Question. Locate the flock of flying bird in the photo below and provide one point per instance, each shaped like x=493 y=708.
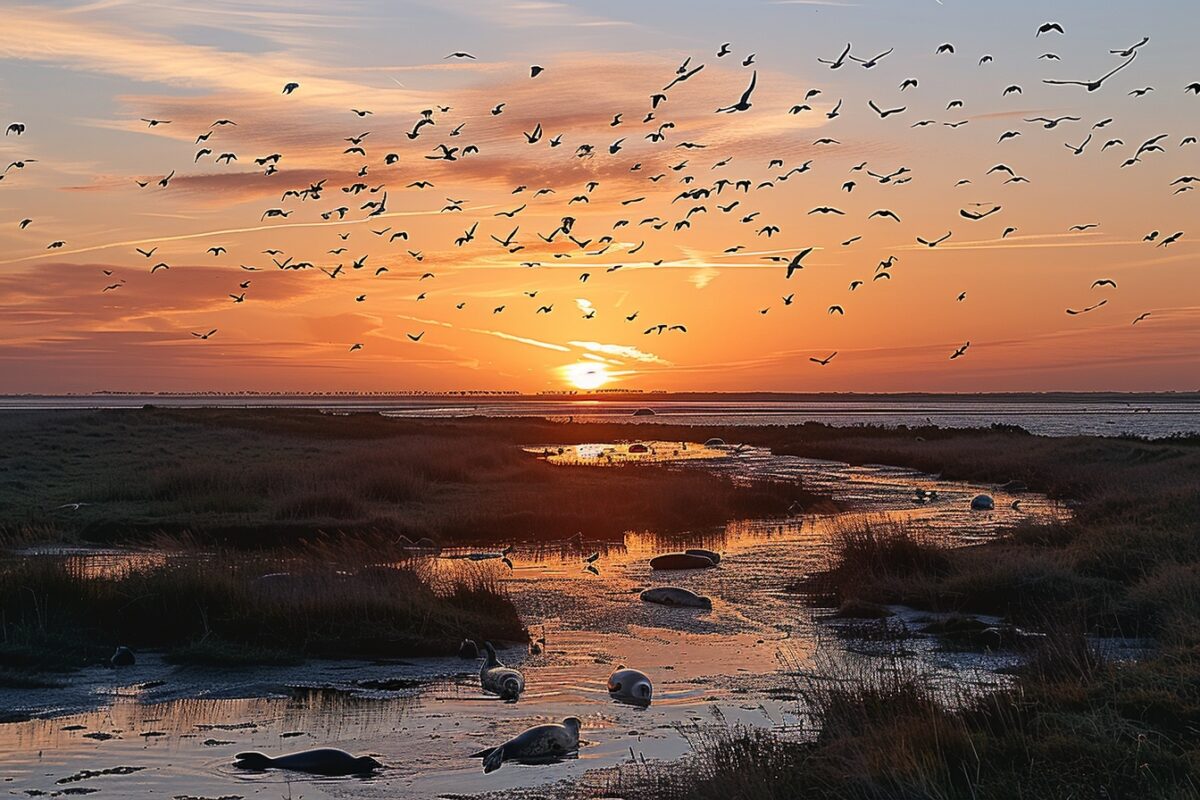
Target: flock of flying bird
x=705 y=188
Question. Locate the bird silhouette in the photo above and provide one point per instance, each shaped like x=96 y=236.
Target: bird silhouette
x=742 y=104
x=823 y=361
x=1091 y=86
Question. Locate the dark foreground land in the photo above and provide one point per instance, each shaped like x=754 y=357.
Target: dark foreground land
x=1072 y=724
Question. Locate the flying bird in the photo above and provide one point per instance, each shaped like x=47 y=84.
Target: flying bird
x=823 y=361
x=742 y=104
x=1092 y=86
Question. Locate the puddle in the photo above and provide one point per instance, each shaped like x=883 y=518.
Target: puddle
x=424 y=717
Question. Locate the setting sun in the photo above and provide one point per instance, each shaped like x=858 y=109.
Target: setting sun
x=586 y=375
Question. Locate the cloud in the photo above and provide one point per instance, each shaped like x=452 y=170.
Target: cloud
x=703 y=277
x=621 y=350
x=76 y=41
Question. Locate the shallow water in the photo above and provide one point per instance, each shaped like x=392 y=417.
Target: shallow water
x=743 y=662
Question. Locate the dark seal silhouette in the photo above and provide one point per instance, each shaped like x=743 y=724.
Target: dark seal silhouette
x=321 y=761
x=123 y=657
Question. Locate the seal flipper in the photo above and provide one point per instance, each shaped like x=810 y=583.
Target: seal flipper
x=493 y=760
x=251 y=760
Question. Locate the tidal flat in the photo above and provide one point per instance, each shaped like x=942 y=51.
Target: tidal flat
x=811 y=529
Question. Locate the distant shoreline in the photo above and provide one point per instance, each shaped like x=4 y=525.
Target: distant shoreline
x=626 y=397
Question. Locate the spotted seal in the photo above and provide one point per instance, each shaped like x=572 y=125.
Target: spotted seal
x=539 y=744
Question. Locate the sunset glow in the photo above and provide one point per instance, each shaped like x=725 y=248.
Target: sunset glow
x=586 y=375
x=403 y=270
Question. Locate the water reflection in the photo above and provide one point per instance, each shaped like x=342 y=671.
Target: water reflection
x=616 y=453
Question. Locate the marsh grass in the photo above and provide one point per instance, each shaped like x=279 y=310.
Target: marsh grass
x=262 y=478
x=1060 y=730
x=1072 y=723
x=331 y=599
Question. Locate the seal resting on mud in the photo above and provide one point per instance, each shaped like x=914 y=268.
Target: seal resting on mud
x=630 y=686
x=689 y=560
x=321 y=761
x=674 y=596
x=498 y=679
x=709 y=554
x=983 y=502
x=541 y=743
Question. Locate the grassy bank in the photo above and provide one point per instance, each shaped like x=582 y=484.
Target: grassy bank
x=1127 y=562
x=1071 y=726
x=250 y=478
x=336 y=600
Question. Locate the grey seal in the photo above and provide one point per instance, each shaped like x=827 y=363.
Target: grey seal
x=498 y=679
x=709 y=554
x=983 y=502
x=539 y=744
x=321 y=761
x=630 y=686
x=675 y=596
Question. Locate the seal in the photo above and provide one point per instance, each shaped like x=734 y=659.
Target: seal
x=498 y=679
x=983 y=502
x=630 y=686
x=709 y=554
x=123 y=657
x=321 y=761
x=674 y=596
x=539 y=744
x=690 y=560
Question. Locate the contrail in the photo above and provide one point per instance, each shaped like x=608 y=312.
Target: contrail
x=225 y=232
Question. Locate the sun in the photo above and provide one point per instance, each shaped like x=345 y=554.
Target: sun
x=586 y=375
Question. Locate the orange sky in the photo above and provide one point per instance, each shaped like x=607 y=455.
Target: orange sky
x=81 y=76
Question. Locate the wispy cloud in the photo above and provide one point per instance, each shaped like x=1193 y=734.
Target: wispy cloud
x=624 y=351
